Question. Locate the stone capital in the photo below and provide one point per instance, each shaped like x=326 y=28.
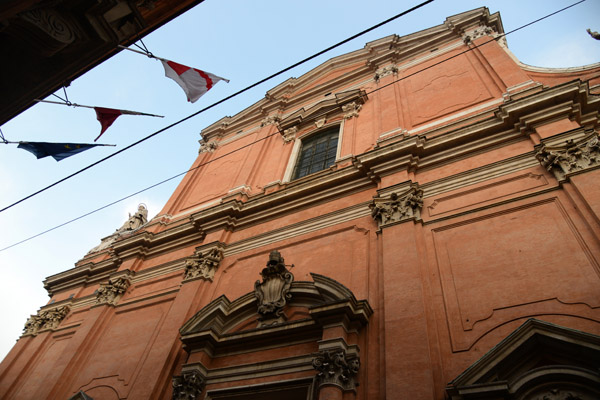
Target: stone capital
x=45 y=319
x=111 y=292
x=336 y=368
x=571 y=157
x=203 y=265
x=351 y=109
x=188 y=385
x=396 y=208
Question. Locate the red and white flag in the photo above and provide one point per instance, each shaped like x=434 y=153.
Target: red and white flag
x=194 y=82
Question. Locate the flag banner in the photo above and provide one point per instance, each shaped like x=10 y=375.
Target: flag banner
x=106 y=117
x=194 y=82
x=58 y=151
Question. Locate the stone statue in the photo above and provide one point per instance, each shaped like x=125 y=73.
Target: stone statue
x=139 y=218
x=595 y=35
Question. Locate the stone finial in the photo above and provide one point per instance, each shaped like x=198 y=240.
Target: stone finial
x=335 y=368
x=111 y=292
x=187 y=386
x=396 y=208
x=351 y=109
x=571 y=157
x=273 y=293
x=45 y=319
x=203 y=266
x=290 y=134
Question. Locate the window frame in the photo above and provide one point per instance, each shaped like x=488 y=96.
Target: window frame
x=296 y=150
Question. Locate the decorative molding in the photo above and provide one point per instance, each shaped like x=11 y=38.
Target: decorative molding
x=188 y=385
x=207 y=147
x=335 y=368
x=111 y=292
x=396 y=208
x=557 y=394
x=51 y=23
x=289 y=134
x=385 y=71
x=269 y=120
x=273 y=293
x=203 y=265
x=571 y=157
x=351 y=109
x=45 y=320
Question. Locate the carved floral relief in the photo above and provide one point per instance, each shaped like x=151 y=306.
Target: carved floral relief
x=45 y=319
x=397 y=208
x=203 y=266
x=187 y=386
x=336 y=368
x=573 y=156
x=111 y=292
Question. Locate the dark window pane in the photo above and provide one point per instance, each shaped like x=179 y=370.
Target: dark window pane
x=317 y=152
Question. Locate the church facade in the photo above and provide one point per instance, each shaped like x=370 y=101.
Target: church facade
x=418 y=219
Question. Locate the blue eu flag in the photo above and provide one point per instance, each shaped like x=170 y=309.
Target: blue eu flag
x=58 y=151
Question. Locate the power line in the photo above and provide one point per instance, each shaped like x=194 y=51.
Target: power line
x=276 y=133
x=221 y=101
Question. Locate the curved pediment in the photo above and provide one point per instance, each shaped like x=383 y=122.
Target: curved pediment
x=225 y=323
x=538 y=360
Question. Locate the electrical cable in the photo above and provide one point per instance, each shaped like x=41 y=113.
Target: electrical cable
x=221 y=101
x=276 y=133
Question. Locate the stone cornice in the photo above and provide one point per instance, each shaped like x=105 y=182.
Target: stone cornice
x=296 y=92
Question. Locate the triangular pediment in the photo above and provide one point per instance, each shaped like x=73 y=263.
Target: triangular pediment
x=523 y=363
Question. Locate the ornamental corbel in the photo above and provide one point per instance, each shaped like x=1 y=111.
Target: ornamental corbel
x=570 y=158
x=351 y=109
x=111 y=292
x=273 y=293
x=188 y=385
x=45 y=319
x=203 y=266
x=397 y=208
x=336 y=368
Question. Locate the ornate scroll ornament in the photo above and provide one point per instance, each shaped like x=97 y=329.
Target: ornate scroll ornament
x=336 y=368
x=112 y=291
x=207 y=147
x=397 y=208
x=290 y=134
x=385 y=71
x=51 y=23
x=46 y=319
x=203 y=266
x=351 y=109
x=187 y=386
x=572 y=157
x=273 y=292
x=270 y=120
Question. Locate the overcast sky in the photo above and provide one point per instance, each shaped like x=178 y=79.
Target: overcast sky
x=240 y=40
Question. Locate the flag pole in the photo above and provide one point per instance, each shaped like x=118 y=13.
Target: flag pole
x=147 y=54
x=94 y=144
x=84 y=106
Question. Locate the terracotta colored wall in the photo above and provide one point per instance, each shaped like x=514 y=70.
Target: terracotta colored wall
x=496 y=244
